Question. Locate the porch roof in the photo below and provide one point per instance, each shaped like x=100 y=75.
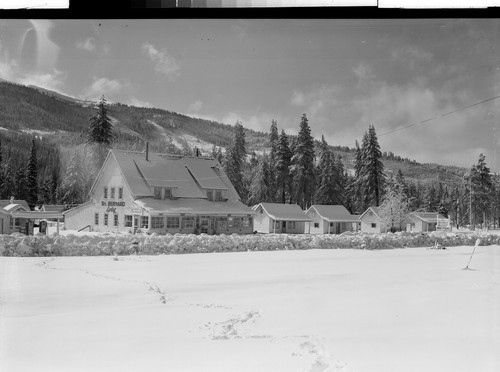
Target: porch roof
x=193 y=206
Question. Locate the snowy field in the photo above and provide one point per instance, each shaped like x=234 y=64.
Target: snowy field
x=411 y=309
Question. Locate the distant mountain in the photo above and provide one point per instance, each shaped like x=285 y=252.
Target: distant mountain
x=36 y=110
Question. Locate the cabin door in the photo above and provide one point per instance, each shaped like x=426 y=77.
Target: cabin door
x=283 y=226
x=204 y=225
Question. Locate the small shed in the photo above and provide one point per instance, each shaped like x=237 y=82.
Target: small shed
x=331 y=219
x=280 y=218
x=371 y=221
x=15 y=224
x=426 y=221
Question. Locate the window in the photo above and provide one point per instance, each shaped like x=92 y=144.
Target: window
x=128 y=220
x=222 y=223
x=188 y=222
x=316 y=225
x=172 y=222
x=157 y=191
x=210 y=195
x=115 y=222
x=105 y=192
x=11 y=222
x=105 y=219
x=374 y=225
x=246 y=221
x=291 y=225
x=218 y=195
x=112 y=193
x=17 y=222
x=144 y=222
x=233 y=222
x=168 y=194
x=331 y=224
x=157 y=222
x=120 y=193
x=96 y=219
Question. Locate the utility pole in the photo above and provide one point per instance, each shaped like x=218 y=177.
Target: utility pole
x=470 y=200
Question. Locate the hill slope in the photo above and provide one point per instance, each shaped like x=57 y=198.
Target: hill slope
x=36 y=110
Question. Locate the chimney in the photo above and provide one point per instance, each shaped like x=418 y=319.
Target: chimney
x=147 y=151
x=11 y=200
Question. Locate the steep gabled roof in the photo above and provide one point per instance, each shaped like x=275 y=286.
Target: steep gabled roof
x=188 y=177
x=428 y=217
x=334 y=213
x=284 y=212
x=374 y=209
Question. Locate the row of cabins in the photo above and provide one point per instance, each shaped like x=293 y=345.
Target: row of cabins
x=335 y=219
x=157 y=193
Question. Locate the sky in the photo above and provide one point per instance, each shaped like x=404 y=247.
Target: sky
x=343 y=74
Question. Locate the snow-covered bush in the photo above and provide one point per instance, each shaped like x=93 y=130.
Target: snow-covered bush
x=107 y=244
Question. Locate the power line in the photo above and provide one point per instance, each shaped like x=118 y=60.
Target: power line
x=439 y=116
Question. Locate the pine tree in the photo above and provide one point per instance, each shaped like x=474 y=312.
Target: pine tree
x=235 y=161
x=259 y=190
x=431 y=199
x=100 y=134
x=303 y=159
x=482 y=188
x=8 y=181
x=32 y=177
x=72 y=190
x=274 y=139
x=283 y=161
x=21 y=191
x=372 y=169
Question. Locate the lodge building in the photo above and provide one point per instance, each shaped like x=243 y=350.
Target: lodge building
x=161 y=194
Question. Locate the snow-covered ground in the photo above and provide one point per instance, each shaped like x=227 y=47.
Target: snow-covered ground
x=411 y=309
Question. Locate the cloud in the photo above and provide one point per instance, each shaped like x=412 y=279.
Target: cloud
x=113 y=90
x=51 y=80
x=164 y=64
x=138 y=103
x=195 y=106
x=88 y=44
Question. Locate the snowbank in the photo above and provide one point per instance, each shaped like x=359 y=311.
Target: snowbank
x=107 y=244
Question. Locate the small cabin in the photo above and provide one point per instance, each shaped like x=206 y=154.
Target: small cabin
x=331 y=219
x=278 y=218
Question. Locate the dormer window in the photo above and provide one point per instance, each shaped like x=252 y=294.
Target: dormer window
x=214 y=195
x=210 y=195
x=218 y=195
x=162 y=193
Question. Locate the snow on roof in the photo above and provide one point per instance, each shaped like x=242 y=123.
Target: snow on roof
x=194 y=206
x=428 y=216
x=334 y=213
x=189 y=177
x=284 y=212
x=52 y=208
x=14 y=207
x=6 y=202
x=374 y=209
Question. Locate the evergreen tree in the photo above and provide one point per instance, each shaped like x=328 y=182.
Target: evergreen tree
x=273 y=142
x=100 y=134
x=217 y=153
x=259 y=190
x=341 y=181
x=479 y=183
x=372 y=169
x=303 y=159
x=327 y=191
x=8 y=181
x=32 y=177
x=72 y=190
x=431 y=199
x=283 y=161
x=235 y=161
x=21 y=191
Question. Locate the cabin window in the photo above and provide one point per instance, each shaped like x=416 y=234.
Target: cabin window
x=105 y=219
x=115 y=222
x=222 y=222
x=316 y=225
x=144 y=222
x=374 y=225
x=246 y=221
x=210 y=195
x=157 y=222
x=96 y=219
x=331 y=224
x=112 y=193
x=105 y=192
x=172 y=222
x=291 y=225
x=128 y=220
x=157 y=191
x=11 y=222
x=188 y=222
x=120 y=193
x=218 y=195
x=233 y=222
